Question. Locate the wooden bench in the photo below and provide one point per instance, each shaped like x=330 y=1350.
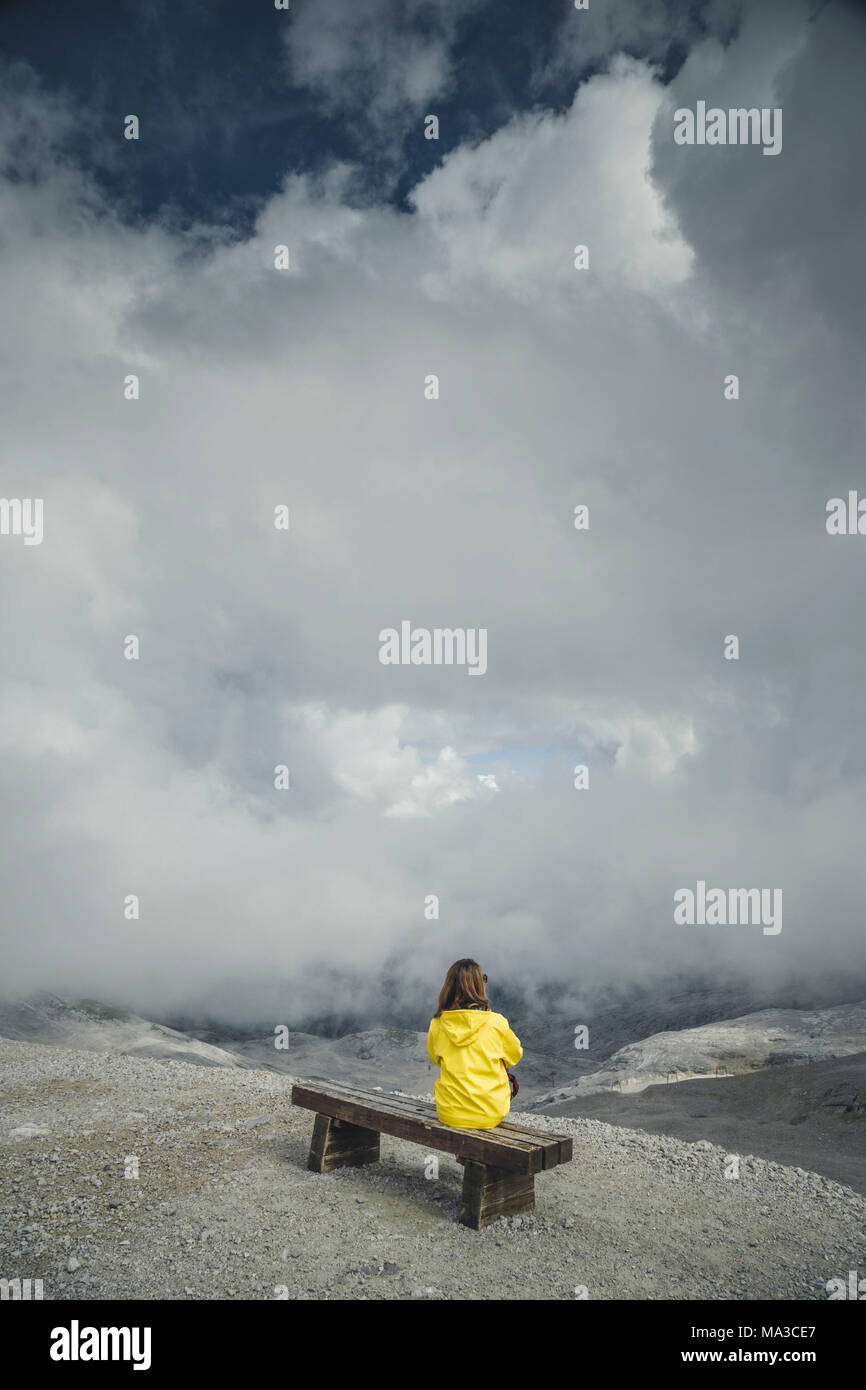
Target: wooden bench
x=499 y=1165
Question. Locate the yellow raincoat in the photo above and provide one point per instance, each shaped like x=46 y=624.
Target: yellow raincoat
x=473 y=1047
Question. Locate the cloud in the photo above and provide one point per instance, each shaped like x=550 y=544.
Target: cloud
x=511 y=209
x=260 y=647
x=801 y=251
x=594 y=36
x=364 y=754
x=379 y=61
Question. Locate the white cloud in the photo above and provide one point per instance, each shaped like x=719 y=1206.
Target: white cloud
x=382 y=61
x=260 y=648
x=645 y=747
x=512 y=209
x=365 y=755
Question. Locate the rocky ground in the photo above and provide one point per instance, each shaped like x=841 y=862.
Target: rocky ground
x=223 y=1206
x=810 y=1116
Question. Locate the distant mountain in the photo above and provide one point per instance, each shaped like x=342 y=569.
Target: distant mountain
x=91 y=1026
x=396 y=1058
x=393 y=1058
x=767 y=1038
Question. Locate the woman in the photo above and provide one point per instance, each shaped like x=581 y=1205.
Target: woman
x=473 y=1047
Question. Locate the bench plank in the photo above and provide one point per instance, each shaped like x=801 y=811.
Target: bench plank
x=363 y=1106
x=402 y=1122
x=558 y=1148
x=425 y=1113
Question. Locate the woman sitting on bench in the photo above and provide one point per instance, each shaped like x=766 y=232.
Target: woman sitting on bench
x=474 y=1047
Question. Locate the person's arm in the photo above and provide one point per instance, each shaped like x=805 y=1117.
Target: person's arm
x=511 y=1049
x=432 y=1033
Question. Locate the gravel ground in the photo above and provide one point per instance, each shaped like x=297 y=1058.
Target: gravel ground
x=223 y=1206
x=812 y=1115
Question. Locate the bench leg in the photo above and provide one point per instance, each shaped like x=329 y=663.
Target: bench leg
x=492 y=1192
x=337 y=1144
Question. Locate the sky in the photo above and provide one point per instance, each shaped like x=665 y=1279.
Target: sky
x=304 y=388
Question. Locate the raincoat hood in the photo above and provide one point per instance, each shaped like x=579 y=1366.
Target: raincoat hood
x=462 y=1026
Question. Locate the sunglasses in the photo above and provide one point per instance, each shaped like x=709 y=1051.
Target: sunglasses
x=485 y=979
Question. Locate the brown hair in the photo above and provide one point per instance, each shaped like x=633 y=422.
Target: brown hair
x=465 y=987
